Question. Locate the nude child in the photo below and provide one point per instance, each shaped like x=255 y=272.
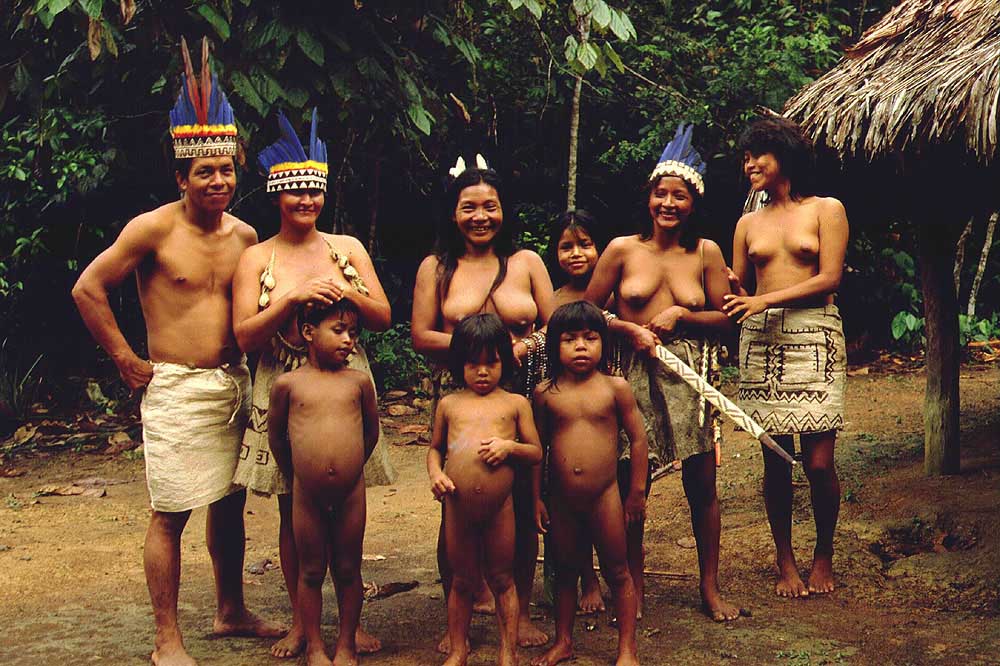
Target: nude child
x=580 y=412
x=478 y=432
x=323 y=426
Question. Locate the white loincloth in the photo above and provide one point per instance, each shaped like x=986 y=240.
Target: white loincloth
x=192 y=426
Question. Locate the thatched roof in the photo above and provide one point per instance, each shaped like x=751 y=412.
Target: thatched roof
x=927 y=73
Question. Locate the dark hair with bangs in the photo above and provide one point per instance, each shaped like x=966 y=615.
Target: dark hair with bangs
x=474 y=336
x=451 y=244
x=578 y=221
x=689 y=233
x=313 y=313
x=575 y=316
x=785 y=140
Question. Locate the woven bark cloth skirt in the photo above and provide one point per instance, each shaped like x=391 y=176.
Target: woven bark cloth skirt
x=793 y=368
x=679 y=423
x=256 y=469
x=192 y=424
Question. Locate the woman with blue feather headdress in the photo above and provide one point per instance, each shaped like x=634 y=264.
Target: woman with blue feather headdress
x=274 y=279
x=668 y=285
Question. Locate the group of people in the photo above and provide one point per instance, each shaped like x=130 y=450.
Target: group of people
x=550 y=412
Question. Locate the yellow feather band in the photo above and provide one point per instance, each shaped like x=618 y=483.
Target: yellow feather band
x=183 y=131
x=297 y=166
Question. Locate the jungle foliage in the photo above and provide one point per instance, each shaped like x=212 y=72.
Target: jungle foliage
x=402 y=87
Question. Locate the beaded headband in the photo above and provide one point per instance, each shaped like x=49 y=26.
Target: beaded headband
x=201 y=122
x=681 y=159
x=286 y=163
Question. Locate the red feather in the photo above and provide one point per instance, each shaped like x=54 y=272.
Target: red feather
x=206 y=83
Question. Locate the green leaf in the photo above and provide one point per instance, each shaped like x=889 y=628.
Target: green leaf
x=611 y=55
x=310 y=46
x=899 y=325
x=534 y=7
x=92 y=7
x=55 y=7
x=583 y=7
x=569 y=48
x=46 y=17
x=601 y=16
x=241 y=86
x=587 y=55
x=217 y=21
x=297 y=97
x=621 y=26
x=420 y=118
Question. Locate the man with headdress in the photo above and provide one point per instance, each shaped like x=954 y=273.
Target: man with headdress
x=197 y=386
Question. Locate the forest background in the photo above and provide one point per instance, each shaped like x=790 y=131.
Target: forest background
x=403 y=88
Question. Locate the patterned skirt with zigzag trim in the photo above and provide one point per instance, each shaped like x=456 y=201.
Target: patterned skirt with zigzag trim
x=793 y=368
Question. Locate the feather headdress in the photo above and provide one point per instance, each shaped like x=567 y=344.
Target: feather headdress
x=286 y=164
x=681 y=159
x=201 y=122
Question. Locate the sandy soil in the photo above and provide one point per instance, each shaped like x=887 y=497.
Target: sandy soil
x=917 y=558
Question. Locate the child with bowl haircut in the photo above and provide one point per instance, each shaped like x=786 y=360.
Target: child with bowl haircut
x=580 y=412
x=323 y=426
x=480 y=433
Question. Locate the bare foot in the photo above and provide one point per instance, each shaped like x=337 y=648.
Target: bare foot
x=345 y=658
x=444 y=645
x=366 y=643
x=172 y=654
x=821 y=576
x=247 y=624
x=291 y=645
x=591 y=600
x=716 y=607
x=528 y=635
x=790 y=584
x=627 y=660
x=485 y=604
x=458 y=657
x=317 y=657
x=559 y=652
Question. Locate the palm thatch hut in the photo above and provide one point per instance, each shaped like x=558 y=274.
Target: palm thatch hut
x=917 y=98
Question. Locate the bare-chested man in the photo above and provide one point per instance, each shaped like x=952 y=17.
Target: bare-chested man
x=196 y=402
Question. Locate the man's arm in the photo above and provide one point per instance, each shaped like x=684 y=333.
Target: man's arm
x=109 y=269
x=277 y=426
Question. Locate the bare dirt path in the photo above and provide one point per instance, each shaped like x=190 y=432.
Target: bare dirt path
x=917 y=559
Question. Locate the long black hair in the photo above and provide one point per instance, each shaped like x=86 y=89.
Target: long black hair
x=451 y=244
x=575 y=316
x=475 y=335
x=784 y=139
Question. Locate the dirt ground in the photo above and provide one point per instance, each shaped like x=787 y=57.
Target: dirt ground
x=917 y=559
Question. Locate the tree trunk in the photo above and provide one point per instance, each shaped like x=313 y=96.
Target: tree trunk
x=960 y=254
x=974 y=291
x=583 y=30
x=941 y=400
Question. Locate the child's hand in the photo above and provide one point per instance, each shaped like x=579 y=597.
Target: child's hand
x=441 y=485
x=495 y=450
x=635 y=507
x=541 y=517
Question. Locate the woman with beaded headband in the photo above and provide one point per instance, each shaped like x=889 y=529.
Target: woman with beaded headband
x=793 y=360
x=476 y=268
x=299 y=265
x=668 y=286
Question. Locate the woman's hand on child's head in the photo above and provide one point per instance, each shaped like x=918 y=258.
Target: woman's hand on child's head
x=668 y=321
x=541 y=517
x=635 y=507
x=743 y=306
x=441 y=485
x=323 y=290
x=495 y=450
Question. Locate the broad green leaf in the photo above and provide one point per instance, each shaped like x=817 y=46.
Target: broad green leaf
x=46 y=17
x=297 y=97
x=569 y=48
x=241 y=86
x=516 y=4
x=215 y=19
x=587 y=55
x=534 y=7
x=310 y=46
x=611 y=55
x=92 y=7
x=583 y=7
x=56 y=7
x=899 y=325
x=601 y=65
x=420 y=118
x=601 y=15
